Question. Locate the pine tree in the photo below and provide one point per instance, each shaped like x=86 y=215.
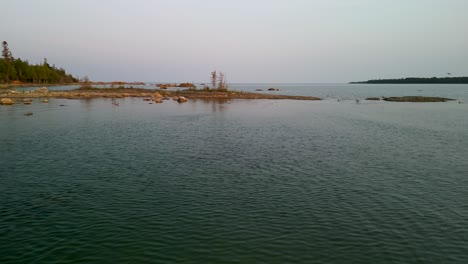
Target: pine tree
x=6 y=53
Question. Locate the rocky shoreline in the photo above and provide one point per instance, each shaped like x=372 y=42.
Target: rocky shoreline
x=9 y=97
x=149 y=94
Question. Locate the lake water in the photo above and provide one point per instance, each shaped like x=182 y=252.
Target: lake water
x=240 y=181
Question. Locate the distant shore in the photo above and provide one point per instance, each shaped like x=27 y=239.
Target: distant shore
x=414 y=80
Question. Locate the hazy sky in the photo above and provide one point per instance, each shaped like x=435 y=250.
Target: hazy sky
x=250 y=40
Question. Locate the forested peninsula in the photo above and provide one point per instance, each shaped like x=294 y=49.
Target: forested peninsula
x=415 y=80
x=17 y=71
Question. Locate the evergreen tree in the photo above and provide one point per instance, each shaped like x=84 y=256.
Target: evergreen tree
x=18 y=70
x=6 y=54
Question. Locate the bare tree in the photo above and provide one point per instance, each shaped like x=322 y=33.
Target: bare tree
x=214 y=79
x=222 y=81
x=85 y=82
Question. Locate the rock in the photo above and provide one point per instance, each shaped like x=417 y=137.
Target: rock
x=45 y=100
x=418 y=99
x=27 y=100
x=259 y=90
x=6 y=101
x=373 y=99
x=158 y=100
x=182 y=99
x=13 y=92
x=42 y=90
x=175 y=98
x=166 y=85
x=189 y=85
x=273 y=89
x=126 y=95
x=157 y=95
x=166 y=98
x=146 y=99
x=28 y=114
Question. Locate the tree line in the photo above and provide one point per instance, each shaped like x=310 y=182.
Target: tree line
x=414 y=80
x=14 y=69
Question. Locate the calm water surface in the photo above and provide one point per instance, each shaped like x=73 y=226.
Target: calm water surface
x=242 y=181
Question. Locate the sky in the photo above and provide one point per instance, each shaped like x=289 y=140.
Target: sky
x=252 y=41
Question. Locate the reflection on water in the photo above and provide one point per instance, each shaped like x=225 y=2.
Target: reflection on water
x=217 y=105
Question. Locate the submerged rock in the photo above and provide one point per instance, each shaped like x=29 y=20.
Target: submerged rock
x=45 y=101
x=6 y=101
x=28 y=114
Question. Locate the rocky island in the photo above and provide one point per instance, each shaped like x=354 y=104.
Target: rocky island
x=12 y=96
x=415 y=99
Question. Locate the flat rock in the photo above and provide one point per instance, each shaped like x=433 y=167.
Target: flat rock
x=418 y=99
x=42 y=90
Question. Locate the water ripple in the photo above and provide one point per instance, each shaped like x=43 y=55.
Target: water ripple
x=257 y=183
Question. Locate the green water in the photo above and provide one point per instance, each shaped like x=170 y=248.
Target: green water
x=234 y=182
